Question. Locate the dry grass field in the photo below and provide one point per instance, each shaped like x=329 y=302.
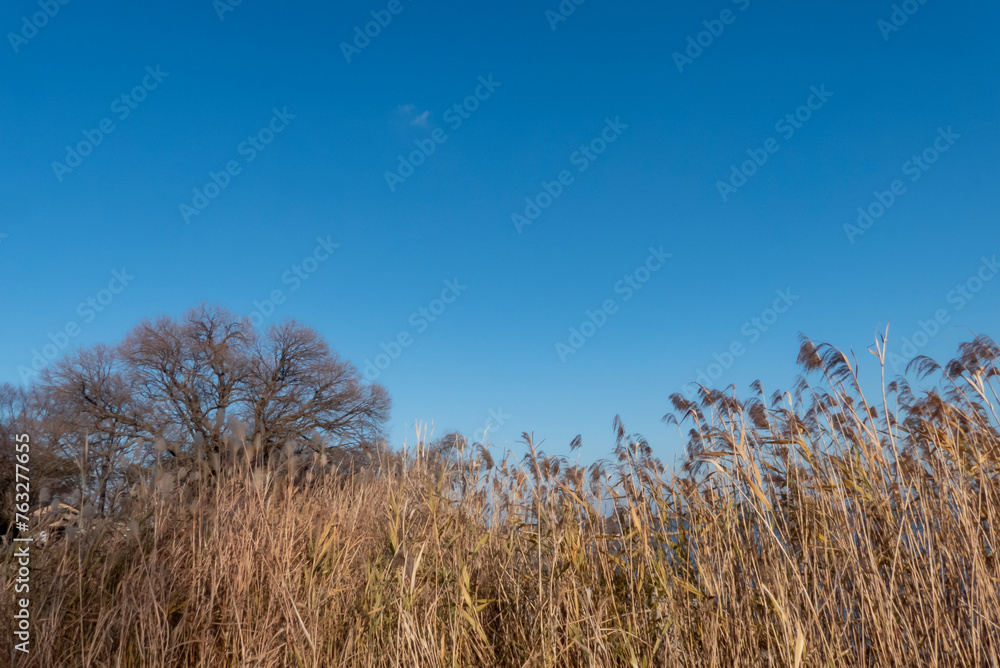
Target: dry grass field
x=818 y=527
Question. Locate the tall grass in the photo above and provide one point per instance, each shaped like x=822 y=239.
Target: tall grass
x=811 y=528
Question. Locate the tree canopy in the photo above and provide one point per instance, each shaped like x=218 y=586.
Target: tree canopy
x=182 y=386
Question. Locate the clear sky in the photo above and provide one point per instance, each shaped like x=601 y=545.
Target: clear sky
x=596 y=161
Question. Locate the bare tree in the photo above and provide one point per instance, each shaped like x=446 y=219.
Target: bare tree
x=95 y=417
x=23 y=412
x=296 y=388
x=192 y=384
x=190 y=371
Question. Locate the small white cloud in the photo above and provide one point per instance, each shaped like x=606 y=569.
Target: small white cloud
x=408 y=113
x=421 y=120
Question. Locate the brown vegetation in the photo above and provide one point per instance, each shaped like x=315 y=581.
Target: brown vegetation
x=811 y=528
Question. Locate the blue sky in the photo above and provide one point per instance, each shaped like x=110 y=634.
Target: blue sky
x=621 y=123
